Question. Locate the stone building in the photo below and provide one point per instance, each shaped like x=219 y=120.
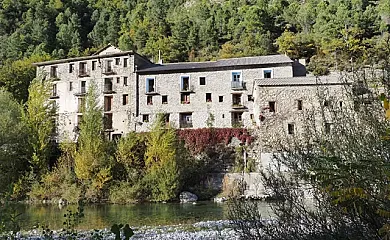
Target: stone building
x=132 y=90
x=283 y=107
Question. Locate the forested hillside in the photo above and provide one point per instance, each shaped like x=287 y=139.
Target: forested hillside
x=193 y=30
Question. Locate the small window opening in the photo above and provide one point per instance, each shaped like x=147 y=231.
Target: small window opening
x=145 y=118
x=94 y=65
x=185 y=98
x=164 y=99
x=327 y=128
x=271 y=106
x=118 y=80
x=150 y=85
x=124 y=81
x=202 y=81
x=117 y=61
x=267 y=73
x=341 y=103
x=250 y=98
x=125 y=99
x=149 y=100
x=71 y=68
x=300 y=105
x=220 y=98
x=125 y=60
x=290 y=128
x=208 y=97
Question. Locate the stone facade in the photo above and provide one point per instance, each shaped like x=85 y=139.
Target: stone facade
x=283 y=106
x=132 y=90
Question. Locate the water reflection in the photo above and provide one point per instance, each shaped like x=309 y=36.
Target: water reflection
x=101 y=216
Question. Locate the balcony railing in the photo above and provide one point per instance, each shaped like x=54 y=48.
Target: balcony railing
x=238 y=106
x=108 y=71
x=238 y=85
x=83 y=73
x=108 y=88
x=185 y=124
x=187 y=89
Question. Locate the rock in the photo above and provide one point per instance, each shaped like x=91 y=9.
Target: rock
x=62 y=202
x=219 y=199
x=187 y=197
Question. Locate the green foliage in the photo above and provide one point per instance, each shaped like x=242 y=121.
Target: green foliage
x=16 y=76
x=72 y=219
x=162 y=173
x=13 y=152
x=40 y=122
x=127 y=231
x=92 y=163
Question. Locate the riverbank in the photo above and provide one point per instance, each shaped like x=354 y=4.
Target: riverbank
x=220 y=229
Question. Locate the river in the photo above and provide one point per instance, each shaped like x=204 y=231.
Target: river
x=104 y=215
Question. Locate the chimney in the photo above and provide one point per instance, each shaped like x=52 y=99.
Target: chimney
x=160 y=61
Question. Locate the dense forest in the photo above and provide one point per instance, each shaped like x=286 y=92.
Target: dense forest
x=185 y=30
x=37 y=30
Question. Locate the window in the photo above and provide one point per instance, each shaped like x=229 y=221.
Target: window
x=71 y=68
x=326 y=103
x=82 y=87
x=271 y=106
x=290 y=128
x=237 y=81
x=125 y=99
x=185 y=120
x=236 y=76
x=109 y=66
x=79 y=119
x=145 y=118
x=149 y=100
x=185 y=83
x=124 y=81
x=94 y=65
x=341 y=104
x=118 y=80
x=54 y=90
x=117 y=61
x=82 y=69
x=107 y=103
x=236 y=100
x=202 y=81
x=185 y=98
x=236 y=119
x=164 y=99
x=150 y=88
x=108 y=85
x=125 y=62
x=223 y=115
x=250 y=98
x=300 y=106
x=107 y=121
x=116 y=137
x=267 y=73
x=208 y=97
x=53 y=72
x=220 y=98
x=70 y=86
x=327 y=128
x=80 y=105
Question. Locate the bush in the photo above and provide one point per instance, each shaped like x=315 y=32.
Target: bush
x=123 y=192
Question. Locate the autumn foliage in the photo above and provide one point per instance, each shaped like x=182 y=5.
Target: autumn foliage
x=198 y=140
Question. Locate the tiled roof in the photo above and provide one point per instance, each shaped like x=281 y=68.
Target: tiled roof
x=244 y=61
x=309 y=80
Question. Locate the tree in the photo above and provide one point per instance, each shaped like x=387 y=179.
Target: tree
x=14 y=154
x=92 y=163
x=39 y=118
x=16 y=76
x=162 y=174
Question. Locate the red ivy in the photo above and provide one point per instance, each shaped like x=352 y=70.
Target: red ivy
x=197 y=140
